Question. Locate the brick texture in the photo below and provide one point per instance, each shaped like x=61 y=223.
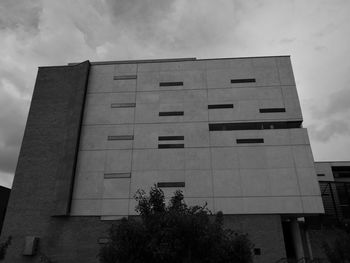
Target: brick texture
x=45 y=173
x=265 y=231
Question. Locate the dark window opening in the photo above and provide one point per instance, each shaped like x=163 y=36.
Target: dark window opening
x=125 y=77
x=171 y=184
x=120 y=137
x=116 y=175
x=123 y=105
x=171 y=113
x=254 y=125
x=165 y=84
x=321 y=175
x=271 y=110
x=171 y=146
x=341 y=171
x=220 y=106
x=242 y=80
x=258 y=140
x=171 y=138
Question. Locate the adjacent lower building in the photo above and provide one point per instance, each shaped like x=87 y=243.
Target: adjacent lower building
x=227 y=132
x=4 y=197
x=334 y=181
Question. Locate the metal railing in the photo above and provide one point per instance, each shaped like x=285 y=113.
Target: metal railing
x=336 y=200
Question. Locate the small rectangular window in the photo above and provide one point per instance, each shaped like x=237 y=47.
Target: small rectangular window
x=171 y=138
x=258 y=140
x=171 y=184
x=270 y=110
x=220 y=106
x=321 y=175
x=171 y=146
x=169 y=84
x=123 y=105
x=116 y=175
x=120 y=137
x=242 y=80
x=171 y=113
x=125 y=77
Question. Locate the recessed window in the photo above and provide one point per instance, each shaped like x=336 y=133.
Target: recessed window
x=220 y=106
x=123 y=105
x=169 y=84
x=125 y=77
x=116 y=175
x=256 y=140
x=341 y=171
x=242 y=80
x=271 y=110
x=171 y=184
x=171 y=146
x=171 y=113
x=171 y=138
x=321 y=175
x=254 y=125
x=120 y=137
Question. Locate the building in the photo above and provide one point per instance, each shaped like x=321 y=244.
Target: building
x=334 y=180
x=227 y=132
x=4 y=197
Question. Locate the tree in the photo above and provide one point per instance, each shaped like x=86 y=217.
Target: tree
x=173 y=233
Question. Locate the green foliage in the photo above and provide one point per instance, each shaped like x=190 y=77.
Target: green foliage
x=340 y=251
x=173 y=233
x=45 y=259
x=4 y=246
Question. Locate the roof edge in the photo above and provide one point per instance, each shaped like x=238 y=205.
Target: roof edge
x=138 y=61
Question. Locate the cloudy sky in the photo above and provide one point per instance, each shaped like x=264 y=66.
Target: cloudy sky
x=316 y=33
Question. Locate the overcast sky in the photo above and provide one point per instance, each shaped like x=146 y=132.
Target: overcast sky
x=315 y=33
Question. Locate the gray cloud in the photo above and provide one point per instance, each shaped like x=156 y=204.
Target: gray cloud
x=331 y=129
x=20 y=14
x=338 y=103
x=12 y=119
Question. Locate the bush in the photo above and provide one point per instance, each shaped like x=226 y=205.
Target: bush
x=173 y=233
x=4 y=246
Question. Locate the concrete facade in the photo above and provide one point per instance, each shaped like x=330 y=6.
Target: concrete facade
x=274 y=177
x=224 y=131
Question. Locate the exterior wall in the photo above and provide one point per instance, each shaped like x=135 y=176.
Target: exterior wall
x=326 y=169
x=275 y=177
x=44 y=175
x=265 y=231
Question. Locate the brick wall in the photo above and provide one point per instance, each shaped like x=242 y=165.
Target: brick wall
x=265 y=231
